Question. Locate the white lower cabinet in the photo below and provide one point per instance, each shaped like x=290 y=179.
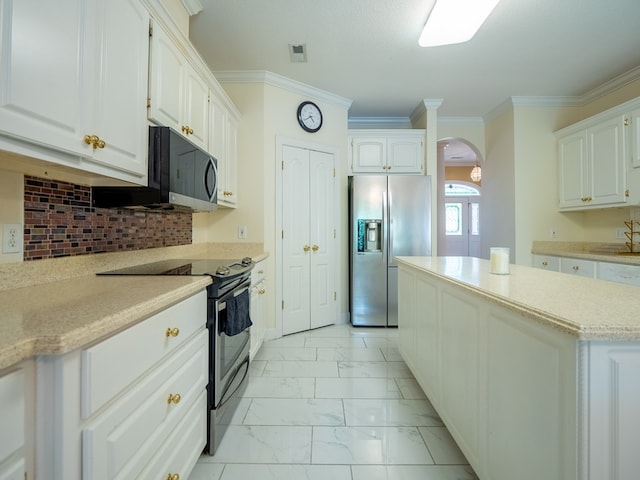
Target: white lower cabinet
x=128 y=406
x=618 y=272
x=16 y=416
x=258 y=307
x=580 y=267
x=610 y=271
x=547 y=262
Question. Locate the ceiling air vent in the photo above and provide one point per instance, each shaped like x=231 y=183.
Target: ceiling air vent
x=298 y=52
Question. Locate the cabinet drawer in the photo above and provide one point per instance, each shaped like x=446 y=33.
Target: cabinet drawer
x=182 y=449
x=12 y=419
x=617 y=272
x=574 y=266
x=258 y=273
x=546 y=262
x=123 y=439
x=107 y=368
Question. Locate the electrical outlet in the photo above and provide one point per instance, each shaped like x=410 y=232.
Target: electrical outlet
x=12 y=238
x=553 y=233
x=242 y=232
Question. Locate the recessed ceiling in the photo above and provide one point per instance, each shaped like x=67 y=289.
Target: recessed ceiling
x=367 y=51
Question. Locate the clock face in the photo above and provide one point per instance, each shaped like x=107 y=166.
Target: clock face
x=309 y=116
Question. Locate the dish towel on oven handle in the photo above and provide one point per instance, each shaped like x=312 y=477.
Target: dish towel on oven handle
x=238 y=318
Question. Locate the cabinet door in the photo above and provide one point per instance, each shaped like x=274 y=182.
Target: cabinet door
x=369 y=154
x=321 y=234
x=42 y=88
x=633 y=121
x=606 y=162
x=120 y=77
x=197 y=108
x=223 y=146
x=405 y=155
x=166 y=81
x=572 y=170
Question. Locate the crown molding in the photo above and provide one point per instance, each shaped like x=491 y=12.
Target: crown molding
x=275 y=80
x=379 y=122
x=192 y=6
x=614 y=84
x=462 y=120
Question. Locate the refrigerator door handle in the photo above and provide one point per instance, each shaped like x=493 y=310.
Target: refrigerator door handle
x=384 y=227
x=390 y=227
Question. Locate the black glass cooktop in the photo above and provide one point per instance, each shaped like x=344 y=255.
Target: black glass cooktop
x=222 y=268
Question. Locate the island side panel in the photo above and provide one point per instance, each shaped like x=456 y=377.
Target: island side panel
x=503 y=384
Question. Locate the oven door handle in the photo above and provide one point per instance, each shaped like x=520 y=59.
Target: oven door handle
x=225 y=398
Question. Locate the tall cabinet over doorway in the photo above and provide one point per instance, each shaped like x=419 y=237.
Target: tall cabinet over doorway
x=309 y=244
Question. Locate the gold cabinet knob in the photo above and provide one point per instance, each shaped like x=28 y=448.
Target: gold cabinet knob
x=95 y=141
x=575 y=268
x=172 y=332
x=545 y=264
x=262 y=291
x=174 y=398
x=185 y=129
x=173 y=476
x=260 y=272
x=306 y=248
x=315 y=248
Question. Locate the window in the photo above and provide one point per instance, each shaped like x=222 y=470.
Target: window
x=453 y=219
x=460 y=190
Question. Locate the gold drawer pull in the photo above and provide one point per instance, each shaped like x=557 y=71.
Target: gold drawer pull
x=187 y=130
x=174 y=398
x=172 y=332
x=94 y=140
x=173 y=476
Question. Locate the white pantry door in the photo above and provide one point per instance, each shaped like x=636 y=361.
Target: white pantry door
x=308 y=239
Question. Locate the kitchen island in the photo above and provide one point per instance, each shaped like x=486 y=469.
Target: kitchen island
x=536 y=373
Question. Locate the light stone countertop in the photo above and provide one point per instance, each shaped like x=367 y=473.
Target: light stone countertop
x=602 y=252
x=50 y=307
x=58 y=317
x=586 y=308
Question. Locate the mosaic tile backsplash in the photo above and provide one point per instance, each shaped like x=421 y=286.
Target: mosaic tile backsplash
x=60 y=222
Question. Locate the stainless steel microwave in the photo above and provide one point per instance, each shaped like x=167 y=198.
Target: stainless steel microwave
x=182 y=176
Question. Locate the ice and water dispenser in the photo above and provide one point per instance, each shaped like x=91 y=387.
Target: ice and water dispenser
x=369 y=235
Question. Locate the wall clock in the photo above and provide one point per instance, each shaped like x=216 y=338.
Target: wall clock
x=309 y=116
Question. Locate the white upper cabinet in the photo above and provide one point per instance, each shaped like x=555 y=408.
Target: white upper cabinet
x=75 y=83
x=633 y=122
x=387 y=151
x=591 y=165
x=179 y=97
x=223 y=146
x=597 y=158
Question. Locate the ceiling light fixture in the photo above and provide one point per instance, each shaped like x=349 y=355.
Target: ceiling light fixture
x=476 y=173
x=455 y=21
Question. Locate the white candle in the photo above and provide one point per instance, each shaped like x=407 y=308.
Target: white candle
x=499 y=260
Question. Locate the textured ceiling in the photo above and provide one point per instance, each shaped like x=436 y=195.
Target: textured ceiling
x=367 y=50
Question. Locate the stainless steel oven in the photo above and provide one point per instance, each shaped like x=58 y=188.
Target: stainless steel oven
x=229 y=360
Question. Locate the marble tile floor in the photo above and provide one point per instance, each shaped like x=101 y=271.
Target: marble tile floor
x=334 y=403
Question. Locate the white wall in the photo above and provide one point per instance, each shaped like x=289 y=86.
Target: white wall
x=498 y=185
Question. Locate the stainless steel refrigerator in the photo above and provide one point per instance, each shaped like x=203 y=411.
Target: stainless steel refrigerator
x=388 y=216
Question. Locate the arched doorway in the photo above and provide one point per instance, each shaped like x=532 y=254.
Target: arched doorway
x=459 y=198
